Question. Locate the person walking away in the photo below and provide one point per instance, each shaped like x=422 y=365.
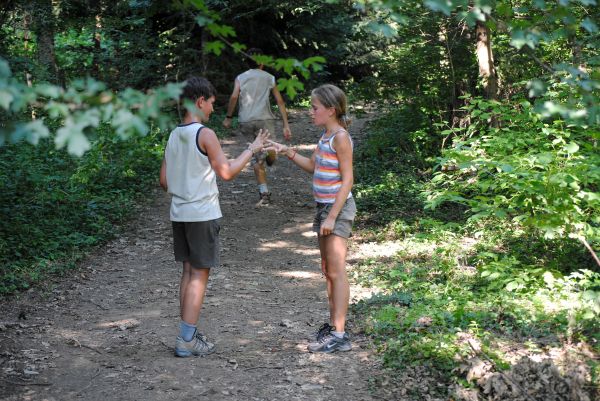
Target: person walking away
x=253 y=88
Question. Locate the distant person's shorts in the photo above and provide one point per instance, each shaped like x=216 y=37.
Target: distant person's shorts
x=197 y=242
x=250 y=129
x=343 y=223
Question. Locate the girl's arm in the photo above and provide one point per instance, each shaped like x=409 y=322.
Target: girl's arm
x=305 y=163
x=228 y=169
x=343 y=147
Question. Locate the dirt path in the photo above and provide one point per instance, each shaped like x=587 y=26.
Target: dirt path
x=107 y=332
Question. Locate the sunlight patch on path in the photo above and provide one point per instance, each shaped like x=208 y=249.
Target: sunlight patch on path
x=377 y=250
x=300 y=274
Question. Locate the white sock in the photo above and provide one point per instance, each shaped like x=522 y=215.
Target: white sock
x=338 y=334
x=262 y=188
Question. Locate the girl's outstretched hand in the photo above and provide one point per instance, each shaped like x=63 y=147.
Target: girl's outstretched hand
x=277 y=147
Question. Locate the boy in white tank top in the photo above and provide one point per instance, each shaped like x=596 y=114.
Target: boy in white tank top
x=193 y=158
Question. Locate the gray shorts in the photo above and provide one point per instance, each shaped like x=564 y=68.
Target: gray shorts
x=250 y=129
x=197 y=242
x=343 y=223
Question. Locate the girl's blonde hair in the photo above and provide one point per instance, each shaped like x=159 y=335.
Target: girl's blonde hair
x=332 y=96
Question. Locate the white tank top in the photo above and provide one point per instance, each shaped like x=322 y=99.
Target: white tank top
x=190 y=178
x=255 y=88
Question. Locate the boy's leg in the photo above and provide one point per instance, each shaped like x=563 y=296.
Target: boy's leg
x=335 y=259
x=193 y=296
x=185 y=279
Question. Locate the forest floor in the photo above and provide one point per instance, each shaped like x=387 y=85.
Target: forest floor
x=107 y=330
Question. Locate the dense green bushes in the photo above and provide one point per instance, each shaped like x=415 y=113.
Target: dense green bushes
x=498 y=258
x=53 y=207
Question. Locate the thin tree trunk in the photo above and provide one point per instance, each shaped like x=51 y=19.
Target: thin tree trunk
x=485 y=58
x=97 y=44
x=43 y=23
x=26 y=39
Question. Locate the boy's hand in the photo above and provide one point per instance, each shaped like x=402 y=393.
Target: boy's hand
x=227 y=122
x=287 y=133
x=259 y=141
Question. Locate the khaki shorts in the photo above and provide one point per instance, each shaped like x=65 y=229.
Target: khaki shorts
x=343 y=223
x=250 y=129
x=197 y=242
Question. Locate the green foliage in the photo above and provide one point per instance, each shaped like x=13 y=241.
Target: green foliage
x=80 y=110
x=386 y=166
x=430 y=301
x=492 y=278
x=541 y=174
x=53 y=207
x=558 y=27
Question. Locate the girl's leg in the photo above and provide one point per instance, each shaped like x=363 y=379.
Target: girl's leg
x=193 y=296
x=324 y=270
x=338 y=287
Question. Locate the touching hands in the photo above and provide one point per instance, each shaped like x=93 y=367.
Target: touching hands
x=260 y=141
x=227 y=122
x=279 y=148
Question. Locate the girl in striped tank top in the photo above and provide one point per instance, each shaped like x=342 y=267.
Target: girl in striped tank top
x=331 y=166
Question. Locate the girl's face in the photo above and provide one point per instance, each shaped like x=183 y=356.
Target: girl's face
x=320 y=114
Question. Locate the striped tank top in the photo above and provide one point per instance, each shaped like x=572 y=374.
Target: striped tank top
x=327 y=178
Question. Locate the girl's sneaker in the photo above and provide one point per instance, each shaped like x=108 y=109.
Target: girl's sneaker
x=198 y=346
x=325 y=329
x=330 y=343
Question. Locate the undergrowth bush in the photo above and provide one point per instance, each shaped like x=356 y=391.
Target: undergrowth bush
x=492 y=278
x=53 y=206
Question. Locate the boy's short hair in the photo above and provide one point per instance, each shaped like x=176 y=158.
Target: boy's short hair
x=197 y=87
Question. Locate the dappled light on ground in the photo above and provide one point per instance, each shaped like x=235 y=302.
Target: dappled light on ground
x=301 y=274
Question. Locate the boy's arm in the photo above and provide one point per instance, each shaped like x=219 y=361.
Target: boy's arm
x=287 y=134
x=163 y=175
x=227 y=169
x=232 y=102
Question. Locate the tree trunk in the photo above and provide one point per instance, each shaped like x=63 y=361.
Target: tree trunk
x=97 y=45
x=43 y=24
x=485 y=58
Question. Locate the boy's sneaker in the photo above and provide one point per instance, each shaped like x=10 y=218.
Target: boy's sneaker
x=325 y=329
x=330 y=343
x=265 y=199
x=198 y=346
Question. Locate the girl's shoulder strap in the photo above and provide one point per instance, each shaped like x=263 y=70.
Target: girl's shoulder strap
x=337 y=132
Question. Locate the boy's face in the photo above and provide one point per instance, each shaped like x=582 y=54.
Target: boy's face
x=206 y=107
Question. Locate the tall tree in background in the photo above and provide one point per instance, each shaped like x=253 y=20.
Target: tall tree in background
x=485 y=59
x=43 y=23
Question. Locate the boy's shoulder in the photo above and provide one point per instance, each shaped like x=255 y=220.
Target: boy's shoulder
x=185 y=129
x=253 y=72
